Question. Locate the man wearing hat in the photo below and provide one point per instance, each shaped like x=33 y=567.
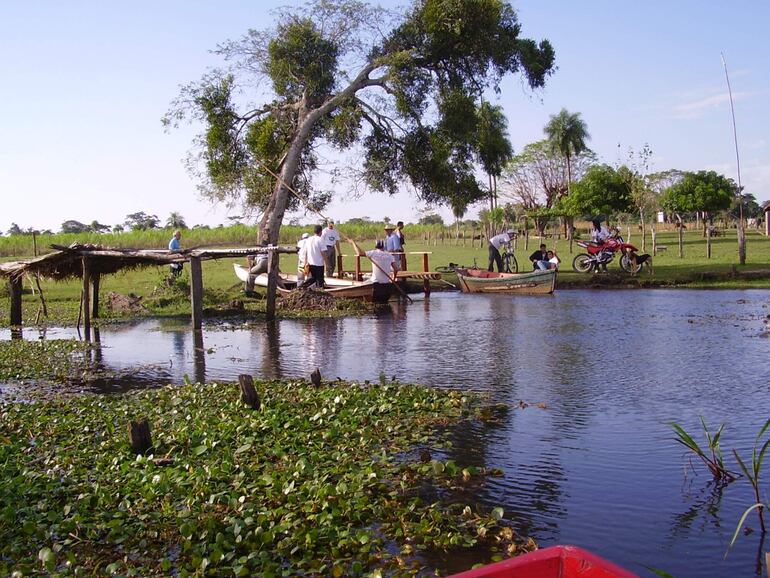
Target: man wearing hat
x=331 y=239
x=494 y=249
x=301 y=258
x=393 y=243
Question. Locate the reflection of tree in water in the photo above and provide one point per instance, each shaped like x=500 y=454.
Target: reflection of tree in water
x=271 y=351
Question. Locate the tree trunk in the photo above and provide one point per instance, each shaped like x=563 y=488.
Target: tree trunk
x=741 y=243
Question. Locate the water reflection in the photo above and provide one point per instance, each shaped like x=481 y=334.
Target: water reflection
x=597 y=466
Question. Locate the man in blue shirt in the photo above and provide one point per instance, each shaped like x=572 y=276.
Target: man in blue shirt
x=393 y=243
x=175 y=245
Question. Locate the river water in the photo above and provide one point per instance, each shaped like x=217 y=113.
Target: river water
x=598 y=466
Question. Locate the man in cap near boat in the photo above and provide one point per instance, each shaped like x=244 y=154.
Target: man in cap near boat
x=494 y=249
x=331 y=239
x=301 y=258
x=393 y=243
x=315 y=253
x=175 y=245
x=383 y=263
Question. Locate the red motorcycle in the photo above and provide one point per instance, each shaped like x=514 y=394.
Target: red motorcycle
x=600 y=254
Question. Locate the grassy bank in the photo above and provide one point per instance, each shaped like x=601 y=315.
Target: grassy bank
x=317 y=482
x=221 y=288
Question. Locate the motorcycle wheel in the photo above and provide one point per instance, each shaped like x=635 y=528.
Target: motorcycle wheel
x=627 y=265
x=582 y=263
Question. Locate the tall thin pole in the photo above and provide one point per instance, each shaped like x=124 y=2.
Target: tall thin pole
x=741 y=237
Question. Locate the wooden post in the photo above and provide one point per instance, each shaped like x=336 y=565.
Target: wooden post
x=425 y=268
x=196 y=292
x=340 y=273
x=249 y=395
x=272 y=284
x=86 y=298
x=708 y=242
x=15 y=286
x=34 y=243
x=315 y=377
x=199 y=355
x=139 y=433
x=359 y=275
x=95 y=295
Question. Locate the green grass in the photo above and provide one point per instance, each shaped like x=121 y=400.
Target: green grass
x=221 y=286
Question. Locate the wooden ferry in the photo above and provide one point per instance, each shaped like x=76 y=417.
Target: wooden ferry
x=340 y=288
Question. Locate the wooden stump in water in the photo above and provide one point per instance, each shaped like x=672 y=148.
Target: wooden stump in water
x=315 y=377
x=249 y=395
x=139 y=432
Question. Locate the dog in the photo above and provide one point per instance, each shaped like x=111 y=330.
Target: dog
x=640 y=261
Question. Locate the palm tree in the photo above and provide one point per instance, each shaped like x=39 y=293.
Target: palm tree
x=568 y=134
x=493 y=147
x=176 y=221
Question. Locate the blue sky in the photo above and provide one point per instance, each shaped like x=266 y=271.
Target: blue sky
x=85 y=83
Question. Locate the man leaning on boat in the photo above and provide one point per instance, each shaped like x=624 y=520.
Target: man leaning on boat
x=383 y=263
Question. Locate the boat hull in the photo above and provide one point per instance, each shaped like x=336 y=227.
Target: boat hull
x=340 y=288
x=553 y=562
x=534 y=283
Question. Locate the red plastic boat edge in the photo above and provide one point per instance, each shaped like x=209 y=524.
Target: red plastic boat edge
x=553 y=562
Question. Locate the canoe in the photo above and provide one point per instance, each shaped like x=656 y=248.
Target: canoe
x=340 y=288
x=553 y=562
x=532 y=283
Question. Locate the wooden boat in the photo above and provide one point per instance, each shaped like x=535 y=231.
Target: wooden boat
x=532 y=283
x=341 y=288
x=553 y=562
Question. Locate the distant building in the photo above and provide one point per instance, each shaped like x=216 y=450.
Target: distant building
x=766 y=214
x=661 y=217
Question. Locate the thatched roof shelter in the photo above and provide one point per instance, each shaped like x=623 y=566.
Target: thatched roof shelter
x=67 y=262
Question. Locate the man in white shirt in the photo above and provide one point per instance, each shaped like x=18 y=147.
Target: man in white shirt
x=383 y=263
x=315 y=251
x=494 y=250
x=301 y=258
x=331 y=239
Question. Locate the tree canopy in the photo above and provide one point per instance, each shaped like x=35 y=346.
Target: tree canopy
x=329 y=77
x=602 y=191
x=706 y=191
x=567 y=133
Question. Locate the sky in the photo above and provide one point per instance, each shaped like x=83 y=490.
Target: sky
x=84 y=84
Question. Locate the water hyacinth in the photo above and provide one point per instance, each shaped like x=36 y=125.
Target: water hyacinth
x=315 y=483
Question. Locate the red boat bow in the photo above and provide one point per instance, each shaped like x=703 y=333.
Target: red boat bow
x=553 y=562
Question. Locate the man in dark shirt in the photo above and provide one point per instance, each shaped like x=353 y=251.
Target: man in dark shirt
x=539 y=258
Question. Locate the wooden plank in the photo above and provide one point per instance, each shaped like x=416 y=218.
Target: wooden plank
x=196 y=293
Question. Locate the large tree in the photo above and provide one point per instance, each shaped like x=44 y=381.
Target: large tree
x=494 y=147
x=603 y=191
x=567 y=133
x=334 y=78
x=705 y=191
x=536 y=179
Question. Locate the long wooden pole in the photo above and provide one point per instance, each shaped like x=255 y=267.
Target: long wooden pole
x=309 y=207
x=741 y=231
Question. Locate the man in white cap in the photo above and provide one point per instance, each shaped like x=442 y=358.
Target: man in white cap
x=393 y=243
x=331 y=238
x=301 y=258
x=494 y=249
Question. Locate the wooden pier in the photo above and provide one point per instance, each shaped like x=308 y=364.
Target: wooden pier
x=90 y=262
